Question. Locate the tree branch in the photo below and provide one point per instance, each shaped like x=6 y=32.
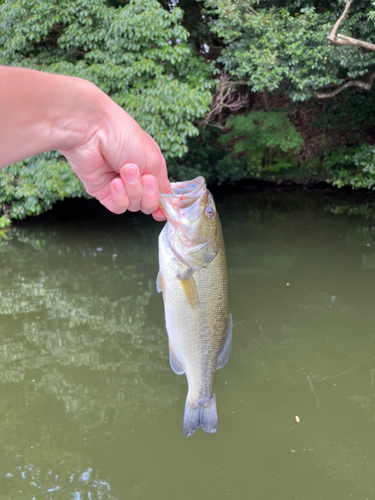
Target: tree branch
x=353 y=42
x=347 y=40
x=332 y=35
x=226 y=96
x=349 y=83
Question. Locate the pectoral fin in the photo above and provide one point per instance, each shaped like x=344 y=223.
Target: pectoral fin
x=225 y=350
x=190 y=289
x=175 y=363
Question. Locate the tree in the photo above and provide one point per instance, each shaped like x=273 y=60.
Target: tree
x=138 y=54
x=284 y=47
x=350 y=42
x=290 y=58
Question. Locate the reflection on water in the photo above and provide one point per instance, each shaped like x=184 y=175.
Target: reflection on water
x=91 y=409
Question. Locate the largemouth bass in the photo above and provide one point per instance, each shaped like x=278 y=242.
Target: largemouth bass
x=193 y=279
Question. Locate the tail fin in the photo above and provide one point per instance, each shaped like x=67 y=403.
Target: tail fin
x=200 y=415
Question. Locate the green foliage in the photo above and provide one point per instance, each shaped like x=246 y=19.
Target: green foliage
x=205 y=157
x=353 y=111
x=197 y=23
x=351 y=167
x=266 y=140
x=263 y=145
x=31 y=187
x=287 y=45
x=138 y=54
x=4 y=226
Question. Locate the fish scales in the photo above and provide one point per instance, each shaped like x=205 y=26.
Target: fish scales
x=196 y=332
x=193 y=279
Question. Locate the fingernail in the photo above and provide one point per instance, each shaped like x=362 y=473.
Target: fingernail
x=149 y=184
x=119 y=188
x=131 y=174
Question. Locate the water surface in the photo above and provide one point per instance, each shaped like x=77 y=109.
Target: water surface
x=90 y=408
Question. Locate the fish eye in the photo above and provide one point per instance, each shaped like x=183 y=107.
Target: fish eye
x=210 y=211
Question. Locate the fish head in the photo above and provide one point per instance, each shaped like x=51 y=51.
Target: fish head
x=193 y=221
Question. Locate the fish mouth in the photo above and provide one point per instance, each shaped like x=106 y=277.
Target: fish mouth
x=183 y=195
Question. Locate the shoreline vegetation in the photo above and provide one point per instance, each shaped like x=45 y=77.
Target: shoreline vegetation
x=334 y=202
x=247 y=92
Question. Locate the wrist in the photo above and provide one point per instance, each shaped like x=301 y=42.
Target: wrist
x=78 y=114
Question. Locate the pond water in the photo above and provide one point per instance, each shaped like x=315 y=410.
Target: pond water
x=90 y=408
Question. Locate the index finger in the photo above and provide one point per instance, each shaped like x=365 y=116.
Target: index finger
x=161 y=175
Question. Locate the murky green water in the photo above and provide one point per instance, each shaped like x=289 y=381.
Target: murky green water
x=90 y=408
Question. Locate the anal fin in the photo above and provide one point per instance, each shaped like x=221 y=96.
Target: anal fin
x=224 y=353
x=175 y=363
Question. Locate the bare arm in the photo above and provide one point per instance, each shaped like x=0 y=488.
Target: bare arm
x=116 y=160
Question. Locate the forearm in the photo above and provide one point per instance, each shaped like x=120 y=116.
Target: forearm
x=42 y=112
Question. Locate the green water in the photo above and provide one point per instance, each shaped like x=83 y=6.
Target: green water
x=90 y=408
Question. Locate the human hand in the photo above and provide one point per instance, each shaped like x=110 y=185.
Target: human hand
x=119 y=163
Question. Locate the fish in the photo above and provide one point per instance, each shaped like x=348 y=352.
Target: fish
x=194 y=282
